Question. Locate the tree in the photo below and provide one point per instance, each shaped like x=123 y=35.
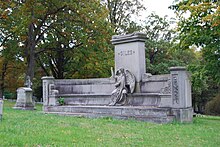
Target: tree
x=159 y=55
x=201 y=28
x=199 y=25
x=121 y=12
x=35 y=26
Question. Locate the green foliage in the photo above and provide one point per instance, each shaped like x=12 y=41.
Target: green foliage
x=34 y=128
x=54 y=33
x=9 y=95
x=212 y=107
x=61 y=101
x=201 y=28
x=120 y=13
x=160 y=54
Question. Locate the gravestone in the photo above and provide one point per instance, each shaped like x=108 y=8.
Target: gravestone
x=1 y=108
x=24 y=99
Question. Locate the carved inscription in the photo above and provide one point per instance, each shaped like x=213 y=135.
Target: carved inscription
x=126 y=53
x=45 y=90
x=175 y=89
x=167 y=88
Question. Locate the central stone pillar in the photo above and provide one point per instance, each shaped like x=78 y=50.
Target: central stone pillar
x=130 y=54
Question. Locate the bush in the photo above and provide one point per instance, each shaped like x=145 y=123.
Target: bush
x=9 y=95
x=213 y=106
x=38 y=93
x=61 y=101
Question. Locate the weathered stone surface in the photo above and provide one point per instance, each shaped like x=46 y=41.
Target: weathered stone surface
x=130 y=54
x=181 y=94
x=24 y=99
x=1 y=108
x=183 y=115
x=91 y=97
x=85 y=86
x=156 y=84
x=181 y=88
x=150 y=114
x=136 y=99
x=46 y=89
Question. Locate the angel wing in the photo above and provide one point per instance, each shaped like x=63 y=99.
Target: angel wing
x=130 y=80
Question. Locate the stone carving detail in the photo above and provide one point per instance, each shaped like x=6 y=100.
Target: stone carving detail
x=45 y=90
x=52 y=90
x=167 y=88
x=126 y=53
x=125 y=83
x=28 y=82
x=175 y=91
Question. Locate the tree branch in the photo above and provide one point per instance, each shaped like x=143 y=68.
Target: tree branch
x=53 y=49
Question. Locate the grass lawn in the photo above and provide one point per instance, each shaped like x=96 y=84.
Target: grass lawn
x=33 y=128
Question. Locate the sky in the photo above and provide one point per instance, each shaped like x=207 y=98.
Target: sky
x=160 y=7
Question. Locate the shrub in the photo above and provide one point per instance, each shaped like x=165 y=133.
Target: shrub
x=61 y=101
x=213 y=106
x=9 y=95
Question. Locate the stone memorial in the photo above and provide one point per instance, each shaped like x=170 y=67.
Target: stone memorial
x=1 y=108
x=129 y=93
x=24 y=97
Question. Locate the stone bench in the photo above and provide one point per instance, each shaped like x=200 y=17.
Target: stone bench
x=102 y=99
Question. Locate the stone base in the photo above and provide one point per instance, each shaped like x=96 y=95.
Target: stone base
x=183 y=115
x=21 y=106
x=24 y=99
x=24 y=108
x=142 y=113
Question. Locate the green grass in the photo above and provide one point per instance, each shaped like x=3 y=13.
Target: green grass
x=33 y=128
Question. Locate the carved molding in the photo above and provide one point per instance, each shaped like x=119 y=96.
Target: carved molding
x=175 y=89
x=167 y=88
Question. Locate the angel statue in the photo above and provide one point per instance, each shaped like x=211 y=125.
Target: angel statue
x=28 y=82
x=125 y=83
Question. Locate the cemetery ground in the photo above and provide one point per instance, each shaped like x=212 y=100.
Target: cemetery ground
x=34 y=128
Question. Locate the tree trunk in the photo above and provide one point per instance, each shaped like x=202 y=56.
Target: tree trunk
x=60 y=64
x=2 y=84
x=30 y=50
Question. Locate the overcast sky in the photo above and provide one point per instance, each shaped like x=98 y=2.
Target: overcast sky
x=160 y=7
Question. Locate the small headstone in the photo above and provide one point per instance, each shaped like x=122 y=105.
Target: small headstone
x=1 y=108
x=24 y=99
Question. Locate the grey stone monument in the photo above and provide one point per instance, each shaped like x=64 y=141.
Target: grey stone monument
x=181 y=94
x=49 y=96
x=1 y=108
x=24 y=97
x=128 y=93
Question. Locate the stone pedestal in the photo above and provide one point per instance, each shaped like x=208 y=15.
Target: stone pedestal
x=181 y=88
x=130 y=54
x=24 y=99
x=47 y=81
x=181 y=94
x=1 y=108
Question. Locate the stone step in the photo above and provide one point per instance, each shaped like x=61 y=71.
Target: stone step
x=162 y=114
x=136 y=99
x=159 y=120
